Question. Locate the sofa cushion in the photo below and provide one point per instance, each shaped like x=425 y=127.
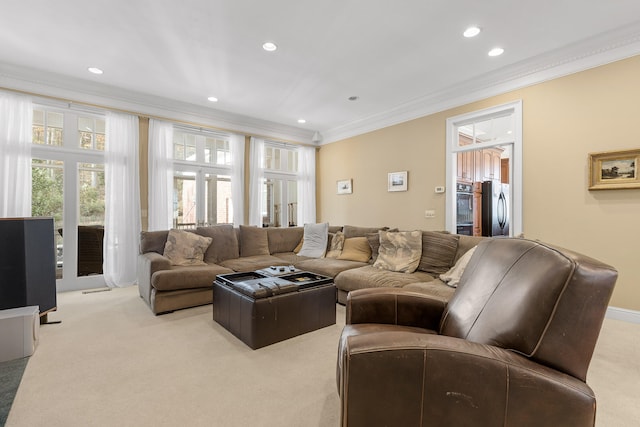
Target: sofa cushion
x=253 y=241
x=336 y=245
x=373 y=277
x=438 y=252
x=435 y=288
x=224 y=245
x=153 y=241
x=284 y=239
x=328 y=266
x=452 y=277
x=352 y=231
x=356 y=249
x=251 y=263
x=183 y=277
x=185 y=248
x=315 y=238
x=399 y=251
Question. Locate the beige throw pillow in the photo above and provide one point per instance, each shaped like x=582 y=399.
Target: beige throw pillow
x=399 y=251
x=186 y=248
x=356 y=249
x=452 y=277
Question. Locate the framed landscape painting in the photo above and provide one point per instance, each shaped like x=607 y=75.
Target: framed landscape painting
x=612 y=170
x=397 y=181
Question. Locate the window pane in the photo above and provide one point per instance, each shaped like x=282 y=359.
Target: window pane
x=91 y=219
x=292 y=207
x=218 y=206
x=292 y=163
x=54 y=126
x=47 y=199
x=91 y=133
x=184 y=200
x=272 y=195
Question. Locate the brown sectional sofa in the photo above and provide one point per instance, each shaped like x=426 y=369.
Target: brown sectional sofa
x=166 y=287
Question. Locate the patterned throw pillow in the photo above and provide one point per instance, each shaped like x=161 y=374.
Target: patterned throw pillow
x=336 y=245
x=399 y=251
x=186 y=248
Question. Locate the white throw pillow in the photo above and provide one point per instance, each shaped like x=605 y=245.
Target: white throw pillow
x=314 y=242
x=452 y=277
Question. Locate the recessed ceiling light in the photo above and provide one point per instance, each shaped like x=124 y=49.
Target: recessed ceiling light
x=302 y=121
x=95 y=70
x=471 y=32
x=496 y=51
x=212 y=99
x=269 y=46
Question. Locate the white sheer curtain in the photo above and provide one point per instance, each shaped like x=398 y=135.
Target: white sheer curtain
x=16 y=116
x=122 y=200
x=307 y=185
x=256 y=177
x=237 y=178
x=160 y=175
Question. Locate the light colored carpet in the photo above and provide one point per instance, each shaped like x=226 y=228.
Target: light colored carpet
x=113 y=363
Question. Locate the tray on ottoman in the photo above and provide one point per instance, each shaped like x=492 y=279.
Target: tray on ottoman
x=262 y=310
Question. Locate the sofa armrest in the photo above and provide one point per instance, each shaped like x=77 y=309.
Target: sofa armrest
x=149 y=263
x=450 y=381
x=395 y=306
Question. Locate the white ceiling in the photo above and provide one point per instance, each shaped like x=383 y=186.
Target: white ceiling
x=403 y=59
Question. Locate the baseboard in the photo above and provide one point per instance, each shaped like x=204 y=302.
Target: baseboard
x=616 y=313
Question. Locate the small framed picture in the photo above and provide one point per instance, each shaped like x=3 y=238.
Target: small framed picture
x=613 y=170
x=397 y=181
x=345 y=186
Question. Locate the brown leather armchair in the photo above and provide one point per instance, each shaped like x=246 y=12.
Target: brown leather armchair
x=511 y=347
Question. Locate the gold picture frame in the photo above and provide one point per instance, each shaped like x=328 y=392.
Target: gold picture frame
x=345 y=186
x=614 y=170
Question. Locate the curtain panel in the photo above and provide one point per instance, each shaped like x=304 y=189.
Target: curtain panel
x=160 y=175
x=122 y=200
x=256 y=177
x=307 y=185
x=237 y=178
x=16 y=117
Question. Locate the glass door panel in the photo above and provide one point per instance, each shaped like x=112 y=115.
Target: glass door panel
x=184 y=199
x=47 y=199
x=91 y=220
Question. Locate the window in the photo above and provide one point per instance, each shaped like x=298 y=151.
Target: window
x=202 y=178
x=68 y=185
x=280 y=186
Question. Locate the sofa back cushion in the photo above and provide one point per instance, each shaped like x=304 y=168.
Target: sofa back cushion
x=253 y=241
x=352 y=231
x=153 y=241
x=224 y=245
x=438 y=252
x=284 y=239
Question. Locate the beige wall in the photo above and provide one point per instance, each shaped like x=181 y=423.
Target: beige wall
x=564 y=120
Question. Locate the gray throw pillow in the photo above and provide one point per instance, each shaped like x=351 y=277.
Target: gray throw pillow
x=314 y=243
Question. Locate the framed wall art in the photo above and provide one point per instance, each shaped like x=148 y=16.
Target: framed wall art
x=397 y=181
x=345 y=186
x=614 y=170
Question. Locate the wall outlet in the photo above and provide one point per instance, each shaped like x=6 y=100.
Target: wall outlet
x=429 y=214
x=439 y=189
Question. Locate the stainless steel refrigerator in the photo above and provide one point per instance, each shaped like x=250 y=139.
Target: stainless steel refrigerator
x=496 y=209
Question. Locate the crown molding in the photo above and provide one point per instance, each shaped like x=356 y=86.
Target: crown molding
x=589 y=53
x=79 y=91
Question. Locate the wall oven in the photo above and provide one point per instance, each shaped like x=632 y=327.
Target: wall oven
x=464 y=209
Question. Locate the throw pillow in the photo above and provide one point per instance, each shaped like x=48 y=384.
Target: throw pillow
x=399 y=251
x=438 y=251
x=356 y=249
x=186 y=248
x=452 y=277
x=314 y=244
x=299 y=246
x=225 y=246
x=253 y=241
x=336 y=245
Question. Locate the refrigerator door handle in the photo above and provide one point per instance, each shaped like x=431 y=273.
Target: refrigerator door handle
x=502 y=210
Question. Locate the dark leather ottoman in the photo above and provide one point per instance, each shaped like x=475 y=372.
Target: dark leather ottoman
x=262 y=310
